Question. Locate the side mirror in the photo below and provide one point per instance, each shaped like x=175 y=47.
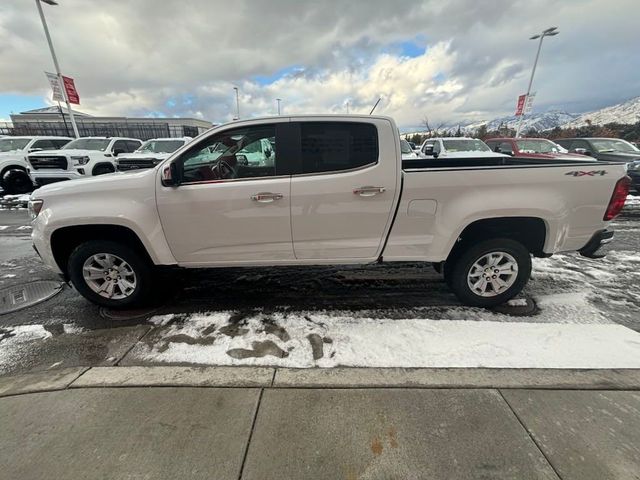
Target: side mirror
x=581 y=151
x=171 y=175
x=242 y=160
x=428 y=150
x=117 y=151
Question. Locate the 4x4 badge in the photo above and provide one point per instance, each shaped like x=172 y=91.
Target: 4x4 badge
x=590 y=173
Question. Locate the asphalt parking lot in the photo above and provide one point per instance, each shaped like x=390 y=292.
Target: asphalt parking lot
x=224 y=360
x=326 y=316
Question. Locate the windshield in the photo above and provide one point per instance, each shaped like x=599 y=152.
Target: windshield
x=160 y=146
x=99 y=144
x=537 y=146
x=613 y=145
x=405 y=147
x=467 y=145
x=8 y=144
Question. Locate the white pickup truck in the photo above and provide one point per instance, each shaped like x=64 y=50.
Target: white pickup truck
x=456 y=147
x=81 y=158
x=333 y=190
x=13 y=159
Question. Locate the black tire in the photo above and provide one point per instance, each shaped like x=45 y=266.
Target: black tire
x=458 y=268
x=138 y=263
x=103 y=170
x=16 y=181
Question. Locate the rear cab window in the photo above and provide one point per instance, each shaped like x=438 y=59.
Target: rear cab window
x=337 y=146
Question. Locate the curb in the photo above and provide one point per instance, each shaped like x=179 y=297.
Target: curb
x=266 y=377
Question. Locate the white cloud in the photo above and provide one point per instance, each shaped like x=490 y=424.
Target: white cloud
x=183 y=58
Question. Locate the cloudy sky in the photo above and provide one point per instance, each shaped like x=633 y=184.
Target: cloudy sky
x=452 y=60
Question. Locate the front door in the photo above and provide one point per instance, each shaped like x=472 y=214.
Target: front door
x=229 y=209
x=342 y=201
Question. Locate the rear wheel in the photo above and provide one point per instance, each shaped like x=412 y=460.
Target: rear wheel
x=489 y=273
x=16 y=181
x=110 y=274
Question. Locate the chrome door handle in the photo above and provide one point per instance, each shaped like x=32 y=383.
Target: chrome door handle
x=266 y=197
x=368 y=191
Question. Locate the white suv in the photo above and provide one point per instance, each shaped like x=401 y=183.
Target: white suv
x=151 y=153
x=83 y=157
x=13 y=159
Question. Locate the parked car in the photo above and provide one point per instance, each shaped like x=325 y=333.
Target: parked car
x=609 y=150
x=14 y=177
x=633 y=170
x=334 y=193
x=533 y=148
x=407 y=151
x=83 y=157
x=151 y=153
x=456 y=147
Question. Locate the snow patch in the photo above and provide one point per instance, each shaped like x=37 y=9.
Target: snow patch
x=320 y=340
x=15 y=340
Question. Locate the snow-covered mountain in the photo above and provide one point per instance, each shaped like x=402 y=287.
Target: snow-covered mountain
x=535 y=121
x=625 y=112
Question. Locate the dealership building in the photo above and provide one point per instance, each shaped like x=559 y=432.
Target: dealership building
x=55 y=121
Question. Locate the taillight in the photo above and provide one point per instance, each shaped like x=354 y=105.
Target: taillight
x=618 y=198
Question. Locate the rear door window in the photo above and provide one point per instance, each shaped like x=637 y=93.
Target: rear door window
x=337 y=146
x=505 y=147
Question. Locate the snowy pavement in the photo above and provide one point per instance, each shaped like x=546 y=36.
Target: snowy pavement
x=378 y=316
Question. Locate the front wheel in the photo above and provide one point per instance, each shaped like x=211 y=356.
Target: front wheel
x=490 y=273
x=16 y=181
x=110 y=274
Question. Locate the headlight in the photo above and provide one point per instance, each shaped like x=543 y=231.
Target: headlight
x=80 y=160
x=34 y=208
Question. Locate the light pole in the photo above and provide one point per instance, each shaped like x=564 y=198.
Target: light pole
x=55 y=63
x=549 y=32
x=278 y=100
x=237 y=104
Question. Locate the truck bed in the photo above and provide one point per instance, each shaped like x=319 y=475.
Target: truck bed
x=492 y=162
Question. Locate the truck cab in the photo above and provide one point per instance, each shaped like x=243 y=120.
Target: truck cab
x=14 y=167
x=81 y=158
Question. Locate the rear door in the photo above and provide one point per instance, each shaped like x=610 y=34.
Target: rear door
x=343 y=195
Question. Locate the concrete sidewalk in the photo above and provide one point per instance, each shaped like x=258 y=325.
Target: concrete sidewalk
x=264 y=423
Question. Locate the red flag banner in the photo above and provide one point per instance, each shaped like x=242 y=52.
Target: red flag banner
x=70 y=88
x=520 y=106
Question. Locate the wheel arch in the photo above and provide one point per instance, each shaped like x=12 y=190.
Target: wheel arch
x=111 y=166
x=11 y=167
x=65 y=239
x=529 y=231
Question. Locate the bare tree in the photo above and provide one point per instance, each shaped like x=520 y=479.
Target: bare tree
x=425 y=124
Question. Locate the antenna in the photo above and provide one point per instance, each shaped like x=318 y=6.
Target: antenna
x=374 y=107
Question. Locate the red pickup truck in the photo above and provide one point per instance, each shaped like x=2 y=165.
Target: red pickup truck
x=533 y=148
